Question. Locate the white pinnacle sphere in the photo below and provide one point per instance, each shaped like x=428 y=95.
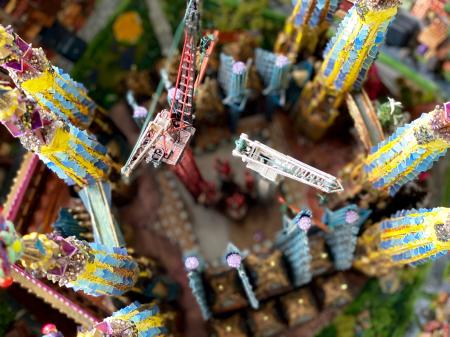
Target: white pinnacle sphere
x=305 y=223
x=191 y=263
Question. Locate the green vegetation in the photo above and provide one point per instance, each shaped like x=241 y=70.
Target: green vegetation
x=447 y=7
x=446 y=198
x=106 y=61
x=329 y=331
x=388 y=119
x=388 y=314
x=7 y=315
x=104 y=65
x=447 y=272
x=235 y=15
x=430 y=88
x=174 y=10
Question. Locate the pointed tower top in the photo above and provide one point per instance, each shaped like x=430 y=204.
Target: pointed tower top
x=231 y=248
x=233 y=256
x=191 y=263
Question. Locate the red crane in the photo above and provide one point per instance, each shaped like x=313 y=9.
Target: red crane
x=167 y=137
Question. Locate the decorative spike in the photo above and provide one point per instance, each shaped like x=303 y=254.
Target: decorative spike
x=233 y=259
x=293 y=242
x=274 y=70
x=344 y=225
x=49 y=86
x=304 y=26
x=233 y=77
x=193 y=266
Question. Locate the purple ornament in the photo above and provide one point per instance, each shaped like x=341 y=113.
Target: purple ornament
x=239 y=68
x=422 y=49
x=234 y=260
x=139 y=112
x=447 y=111
x=191 y=263
x=13 y=65
x=351 y=217
x=58 y=271
x=68 y=248
x=23 y=46
x=304 y=223
x=281 y=61
x=36 y=121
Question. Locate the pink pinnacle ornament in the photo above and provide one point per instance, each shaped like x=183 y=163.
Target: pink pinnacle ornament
x=447 y=110
x=234 y=260
x=351 y=217
x=239 y=68
x=305 y=223
x=139 y=112
x=191 y=263
x=281 y=61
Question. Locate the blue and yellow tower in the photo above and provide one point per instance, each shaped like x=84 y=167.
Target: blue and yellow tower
x=305 y=26
x=410 y=150
x=416 y=236
x=347 y=58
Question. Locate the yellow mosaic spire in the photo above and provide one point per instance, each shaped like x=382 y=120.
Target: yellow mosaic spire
x=347 y=58
x=303 y=29
x=74 y=155
x=416 y=236
x=48 y=85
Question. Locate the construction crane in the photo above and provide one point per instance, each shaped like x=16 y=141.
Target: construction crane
x=165 y=138
x=272 y=164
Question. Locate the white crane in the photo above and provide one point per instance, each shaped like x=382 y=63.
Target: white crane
x=271 y=164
